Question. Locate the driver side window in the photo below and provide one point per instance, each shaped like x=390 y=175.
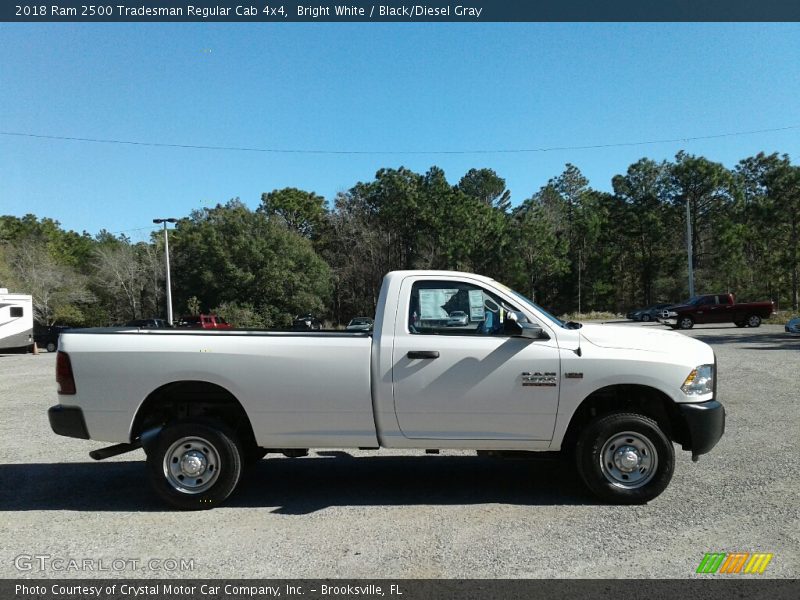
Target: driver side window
x=455 y=308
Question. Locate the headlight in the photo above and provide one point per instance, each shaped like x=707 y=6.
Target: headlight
x=700 y=381
x=672 y=313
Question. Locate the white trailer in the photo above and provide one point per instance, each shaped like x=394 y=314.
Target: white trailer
x=16 y=320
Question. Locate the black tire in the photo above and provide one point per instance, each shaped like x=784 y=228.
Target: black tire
x=646 y=318
x=213 y=448
x=51 y=346
x=685 y=322
x=604 y=470
x=741 y=323
x=754 y=321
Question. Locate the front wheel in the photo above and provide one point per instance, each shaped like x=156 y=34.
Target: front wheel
x=51 y=346
x=685 y=323
x=625 y=458
x=194 y=465
x=646 y=318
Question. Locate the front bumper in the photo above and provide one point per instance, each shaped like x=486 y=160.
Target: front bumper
x=68 y=421
x=705 y=424
x=670 y=321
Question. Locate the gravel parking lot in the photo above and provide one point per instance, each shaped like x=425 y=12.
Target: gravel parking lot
x=408 y=515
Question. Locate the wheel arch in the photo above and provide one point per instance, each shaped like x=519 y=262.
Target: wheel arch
x=639 y=398
x=192 y=399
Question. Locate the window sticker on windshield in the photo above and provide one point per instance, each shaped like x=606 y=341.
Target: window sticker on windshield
x=476 y=310
x=431 y=303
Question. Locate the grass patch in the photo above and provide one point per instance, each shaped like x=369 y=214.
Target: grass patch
x=781 y=317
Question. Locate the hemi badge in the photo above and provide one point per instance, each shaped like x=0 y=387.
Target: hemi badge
x=573 y=375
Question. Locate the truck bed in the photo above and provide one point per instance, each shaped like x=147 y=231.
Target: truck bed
x=319 y=382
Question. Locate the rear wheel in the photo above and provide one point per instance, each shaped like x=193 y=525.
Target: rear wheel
x=625 y=458
x=194 y=465
x=753 y=321
x=685 y=322
x=51 y=346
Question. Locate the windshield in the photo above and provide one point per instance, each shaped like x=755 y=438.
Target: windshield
x=539 y=309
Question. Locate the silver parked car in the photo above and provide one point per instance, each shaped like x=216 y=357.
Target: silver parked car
x=360 y=324
x=458 y=318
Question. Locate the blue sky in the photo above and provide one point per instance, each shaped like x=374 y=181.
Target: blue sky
x=367 y=87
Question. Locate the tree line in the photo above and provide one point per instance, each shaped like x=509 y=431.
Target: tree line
x=569 y=247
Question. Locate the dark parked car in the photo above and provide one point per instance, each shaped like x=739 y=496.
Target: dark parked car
x=651 y=313
x=306 y=322
x=47 y=337
x=360 y=324
x=148 y=323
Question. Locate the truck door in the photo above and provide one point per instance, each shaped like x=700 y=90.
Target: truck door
x=703 y=310
x=457 y=375
x=719 y=310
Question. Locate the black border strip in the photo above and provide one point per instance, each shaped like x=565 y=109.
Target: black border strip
x=708 y=587
x=470 y=11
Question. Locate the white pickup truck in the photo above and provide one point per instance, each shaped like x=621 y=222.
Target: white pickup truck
x=509 y=377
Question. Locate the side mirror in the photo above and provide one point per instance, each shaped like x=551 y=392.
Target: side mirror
x=517 y=325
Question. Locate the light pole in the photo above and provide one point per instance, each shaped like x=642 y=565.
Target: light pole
x=166 y=251
x=689 y=248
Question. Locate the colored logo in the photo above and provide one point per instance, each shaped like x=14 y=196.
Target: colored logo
x=734 y=562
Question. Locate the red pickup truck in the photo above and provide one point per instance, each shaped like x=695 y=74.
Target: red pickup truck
x=716 y=308
x=203 y=322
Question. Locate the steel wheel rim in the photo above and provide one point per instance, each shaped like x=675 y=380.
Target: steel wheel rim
x=628 y=460
x=191 y=465
x=686 y=323
x=754 y=321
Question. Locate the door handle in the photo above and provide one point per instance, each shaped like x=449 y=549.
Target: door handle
x=423 y=354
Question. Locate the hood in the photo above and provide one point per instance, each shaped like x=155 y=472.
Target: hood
x=638 y=338
x=677 y=307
